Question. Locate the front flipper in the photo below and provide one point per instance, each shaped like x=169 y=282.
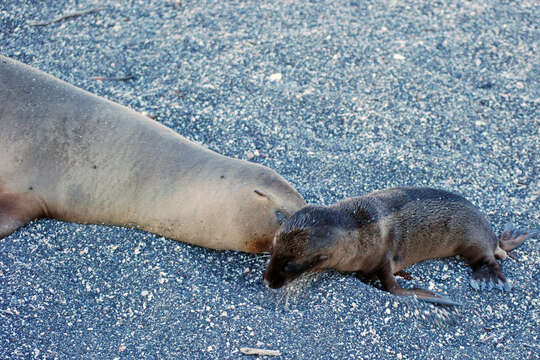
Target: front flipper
x=16 y=210
x=390 y=284
x=440 y=300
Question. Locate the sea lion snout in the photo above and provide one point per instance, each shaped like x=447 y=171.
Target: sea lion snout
x=273 y=283
x=271 y=277
x=282 y=271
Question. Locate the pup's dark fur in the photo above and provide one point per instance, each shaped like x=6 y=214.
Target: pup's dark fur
x=381 y=233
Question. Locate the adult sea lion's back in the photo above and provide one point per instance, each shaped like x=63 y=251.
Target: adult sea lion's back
x=74 y=156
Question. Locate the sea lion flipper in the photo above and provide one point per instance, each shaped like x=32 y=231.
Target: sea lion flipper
x=511 y=237
x=426 y=296
x=390 y=284
x=488 y=275
x=440 y=300
x=15 y=211
x=423 y=295
x=7 y=225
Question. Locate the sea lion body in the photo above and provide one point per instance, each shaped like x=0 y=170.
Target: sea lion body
x=381 y=233
x=73 y=156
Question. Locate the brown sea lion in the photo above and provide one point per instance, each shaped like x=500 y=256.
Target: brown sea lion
x=381 y=233
x=73 y=156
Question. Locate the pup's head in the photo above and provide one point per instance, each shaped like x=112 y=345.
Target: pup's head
x=305 y=242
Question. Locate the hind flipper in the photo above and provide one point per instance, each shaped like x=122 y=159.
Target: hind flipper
x=511 y=238
x=17 y=210
x=486 y=271
x=488 y=275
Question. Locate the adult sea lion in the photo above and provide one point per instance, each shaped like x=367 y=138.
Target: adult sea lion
x=381 y=233
x=73 y=156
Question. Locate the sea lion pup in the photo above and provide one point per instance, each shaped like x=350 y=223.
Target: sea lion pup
x=73 y=156
x=381 y=233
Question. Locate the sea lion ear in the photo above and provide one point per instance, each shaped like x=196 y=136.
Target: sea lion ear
x=322 y=258
x=280 y=216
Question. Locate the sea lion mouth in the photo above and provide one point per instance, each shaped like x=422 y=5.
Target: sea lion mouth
x=273 y=284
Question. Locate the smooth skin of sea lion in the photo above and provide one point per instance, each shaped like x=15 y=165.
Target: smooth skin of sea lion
x=379 y=234
x=73 y=156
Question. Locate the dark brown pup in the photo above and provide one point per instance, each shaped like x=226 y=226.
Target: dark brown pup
x=379 y=234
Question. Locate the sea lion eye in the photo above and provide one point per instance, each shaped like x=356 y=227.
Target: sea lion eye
x=291 y=267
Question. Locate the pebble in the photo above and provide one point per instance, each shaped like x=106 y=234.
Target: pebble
x=341 y=98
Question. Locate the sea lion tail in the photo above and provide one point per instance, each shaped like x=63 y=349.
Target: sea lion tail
x=510 y=239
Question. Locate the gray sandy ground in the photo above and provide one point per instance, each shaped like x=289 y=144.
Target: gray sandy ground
x=341 y=98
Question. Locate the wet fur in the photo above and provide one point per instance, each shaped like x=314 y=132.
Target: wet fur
x=379 y=234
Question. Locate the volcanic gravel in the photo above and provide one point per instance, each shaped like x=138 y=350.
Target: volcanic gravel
x=341 y=98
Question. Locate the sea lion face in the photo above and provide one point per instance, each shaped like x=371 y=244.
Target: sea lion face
x=286 y=265
x=303 y=243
